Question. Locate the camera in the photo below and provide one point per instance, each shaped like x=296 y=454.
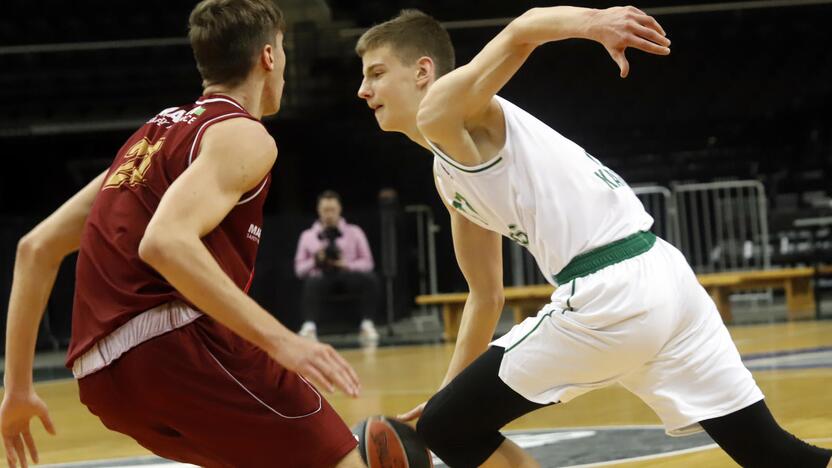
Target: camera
x=331 y=252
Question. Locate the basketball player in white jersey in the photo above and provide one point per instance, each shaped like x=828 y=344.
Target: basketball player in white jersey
x=628 y=308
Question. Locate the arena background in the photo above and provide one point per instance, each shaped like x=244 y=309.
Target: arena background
x=744 y=95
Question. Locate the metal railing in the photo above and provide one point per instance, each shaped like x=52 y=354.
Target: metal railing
x=426 y=230
x=723 y=225
x=658 y=201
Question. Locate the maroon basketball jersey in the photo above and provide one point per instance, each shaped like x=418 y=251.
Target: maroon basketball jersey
x=113 y=284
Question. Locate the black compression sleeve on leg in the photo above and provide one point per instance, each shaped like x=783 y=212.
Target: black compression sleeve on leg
x=753 y=439
x=461 y=423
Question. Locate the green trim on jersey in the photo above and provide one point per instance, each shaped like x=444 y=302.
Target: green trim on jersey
x=530 y=331
x=604 y=256
x=569 y=299
x=463 y=168
x=594 y=260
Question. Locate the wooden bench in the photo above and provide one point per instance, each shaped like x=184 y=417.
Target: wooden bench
x=525 y=301
x=797 y=282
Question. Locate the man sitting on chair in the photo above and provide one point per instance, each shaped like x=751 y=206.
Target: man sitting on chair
x=333 y=256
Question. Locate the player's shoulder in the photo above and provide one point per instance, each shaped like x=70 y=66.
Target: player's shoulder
x=243 y=133
x=241 y=129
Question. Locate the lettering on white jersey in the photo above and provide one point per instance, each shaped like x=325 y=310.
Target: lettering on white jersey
x=517 y=235
x=461 y=204
x=607 y=175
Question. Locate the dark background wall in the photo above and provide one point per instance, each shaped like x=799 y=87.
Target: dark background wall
x=743 y=95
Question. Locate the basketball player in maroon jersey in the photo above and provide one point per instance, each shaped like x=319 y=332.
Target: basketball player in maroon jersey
x=166 y=345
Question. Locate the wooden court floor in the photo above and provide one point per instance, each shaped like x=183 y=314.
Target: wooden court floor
x=396 y=379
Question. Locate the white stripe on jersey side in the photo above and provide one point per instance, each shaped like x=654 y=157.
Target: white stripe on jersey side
x=254 y=195
x=320 y=402
x=208 y=101
x=198 y=136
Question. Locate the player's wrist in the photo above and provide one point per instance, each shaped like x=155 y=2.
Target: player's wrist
x=586 y=24
x=15 y=387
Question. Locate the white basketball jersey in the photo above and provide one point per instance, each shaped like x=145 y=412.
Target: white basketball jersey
x=544 y=192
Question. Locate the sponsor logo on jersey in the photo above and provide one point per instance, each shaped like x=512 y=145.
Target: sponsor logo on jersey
x=174 y=115
x=254 y=233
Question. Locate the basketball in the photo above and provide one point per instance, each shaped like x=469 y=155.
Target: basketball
x=388 y=443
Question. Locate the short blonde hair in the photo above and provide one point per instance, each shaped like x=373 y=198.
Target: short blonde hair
x=412 y=34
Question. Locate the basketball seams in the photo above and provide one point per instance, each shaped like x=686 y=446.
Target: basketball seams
x=399 y=440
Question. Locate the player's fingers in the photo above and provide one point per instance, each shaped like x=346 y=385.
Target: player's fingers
x=647 y=46
x=20 y=451
x=650 y=22
x=619 y=58
x=412 y=414
x=47 y=422
x=353 y=376
x=651 y=35
x=341 y=377
x=318 y=379
x=11 y=458
x=30 y=444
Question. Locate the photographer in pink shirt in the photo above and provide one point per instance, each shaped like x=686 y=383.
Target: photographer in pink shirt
x=333 y=256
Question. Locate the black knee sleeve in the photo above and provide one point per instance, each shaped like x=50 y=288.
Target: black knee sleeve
x=753 y=439
x=454 y=438
x=461 y=424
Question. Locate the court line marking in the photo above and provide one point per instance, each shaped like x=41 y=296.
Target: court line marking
x=674 y=453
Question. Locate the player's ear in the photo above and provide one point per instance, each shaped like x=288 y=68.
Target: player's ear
x=425 y=71
x=267 y=57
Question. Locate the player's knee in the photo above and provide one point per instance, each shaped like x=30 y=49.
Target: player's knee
x=453 y=437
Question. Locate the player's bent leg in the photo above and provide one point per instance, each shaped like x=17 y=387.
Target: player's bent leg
x=351 y=460
x=753 y=439
x=510 y=454
x=461 y=423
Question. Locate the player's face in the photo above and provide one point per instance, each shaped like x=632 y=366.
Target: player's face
x=390 y=89
x=274 y=85
x=329 y=211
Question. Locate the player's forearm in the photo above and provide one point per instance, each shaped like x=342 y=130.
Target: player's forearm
x=479 y=320
x=35 y=270
x=540 y=25
x=190 y=268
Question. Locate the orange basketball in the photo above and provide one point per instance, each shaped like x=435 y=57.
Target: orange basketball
x=388 y=443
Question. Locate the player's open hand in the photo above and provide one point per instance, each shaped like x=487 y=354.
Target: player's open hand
x=413 y=414
x=320 y=364
x=15 y=413
x=621 y=27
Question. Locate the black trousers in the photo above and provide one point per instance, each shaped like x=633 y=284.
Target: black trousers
x=318 y=289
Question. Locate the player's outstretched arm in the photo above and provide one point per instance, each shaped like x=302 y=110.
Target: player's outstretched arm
x=39 y=255
x=471 y=87
x=234 y=157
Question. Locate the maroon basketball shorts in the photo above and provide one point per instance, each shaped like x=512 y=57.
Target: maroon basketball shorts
x=200 y=394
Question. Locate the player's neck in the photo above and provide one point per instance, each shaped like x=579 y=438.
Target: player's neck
x=412 y=130
x=242 y=94
x=415 y=135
